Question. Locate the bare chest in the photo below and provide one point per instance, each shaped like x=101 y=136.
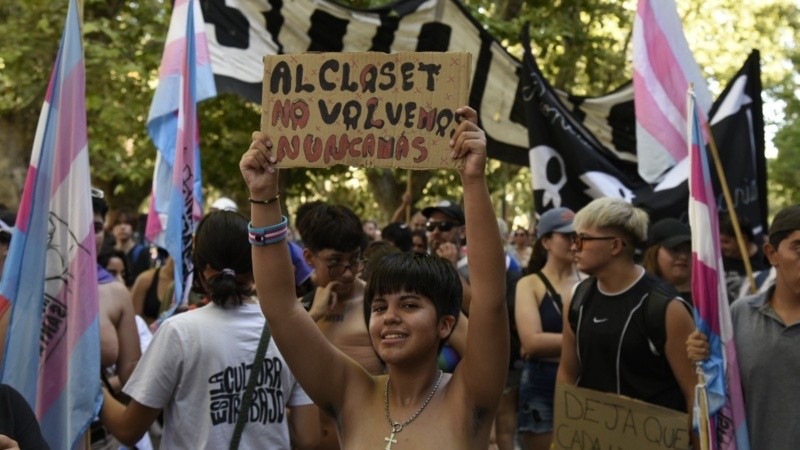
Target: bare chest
x=346 y=329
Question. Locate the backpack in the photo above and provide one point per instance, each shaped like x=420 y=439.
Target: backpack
x=655 y=310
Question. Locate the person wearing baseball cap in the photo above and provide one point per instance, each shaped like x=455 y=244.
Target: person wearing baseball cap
x=766 y=326
x=669 y=254
x=537 y=314
x=445 y=229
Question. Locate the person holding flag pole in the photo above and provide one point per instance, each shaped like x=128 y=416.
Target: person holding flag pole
x=718 y=399
x=753 y=385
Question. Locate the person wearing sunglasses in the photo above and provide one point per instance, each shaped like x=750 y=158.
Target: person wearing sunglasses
x=520 y=246
x=446 y=231
x=607 y=344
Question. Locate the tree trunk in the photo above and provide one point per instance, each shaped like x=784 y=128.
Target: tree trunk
x=388 y=186
x=16 y=142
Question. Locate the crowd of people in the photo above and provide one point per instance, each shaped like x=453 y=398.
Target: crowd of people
x=444 y=331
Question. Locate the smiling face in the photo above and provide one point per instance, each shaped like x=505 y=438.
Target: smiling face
x=403 y=327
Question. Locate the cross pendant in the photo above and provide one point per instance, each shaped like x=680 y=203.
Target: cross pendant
x=390 y=440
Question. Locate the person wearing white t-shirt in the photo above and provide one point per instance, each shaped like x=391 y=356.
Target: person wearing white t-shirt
x=198 y=364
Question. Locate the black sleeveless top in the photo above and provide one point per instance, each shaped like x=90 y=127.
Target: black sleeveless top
x=614 y=352
x=550 y=314
x=152 y=304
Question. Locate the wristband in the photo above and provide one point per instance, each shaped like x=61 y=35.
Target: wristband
x=264 y=202
x=268 y=235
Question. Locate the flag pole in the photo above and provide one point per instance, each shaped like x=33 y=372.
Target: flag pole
x=737 y=229
x=408 y=191
x=702 y=420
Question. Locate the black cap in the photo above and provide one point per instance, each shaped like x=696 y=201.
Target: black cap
x=669 y=233
x=787 y=219
x=447 y=208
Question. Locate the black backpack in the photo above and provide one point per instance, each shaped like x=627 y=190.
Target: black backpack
x=655 y=309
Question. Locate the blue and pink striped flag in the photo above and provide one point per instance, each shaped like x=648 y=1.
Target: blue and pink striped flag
x=663 y=68
x=52 y=353
x=185 y=79
x=727 y=421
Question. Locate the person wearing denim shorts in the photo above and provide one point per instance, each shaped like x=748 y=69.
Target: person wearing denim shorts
x=539 y=324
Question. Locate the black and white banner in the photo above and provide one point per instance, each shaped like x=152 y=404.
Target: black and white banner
x=603 y=162
x=241 y=32
x=580 y=148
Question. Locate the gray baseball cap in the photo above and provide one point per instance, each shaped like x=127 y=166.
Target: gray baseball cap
x=556 y=220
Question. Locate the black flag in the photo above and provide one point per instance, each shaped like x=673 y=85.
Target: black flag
x=737 y=123
x=570 y=167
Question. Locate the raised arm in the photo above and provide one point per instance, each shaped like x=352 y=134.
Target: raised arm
x=304 y=347
x=484 y=366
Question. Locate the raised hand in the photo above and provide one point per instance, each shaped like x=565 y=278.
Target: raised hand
x=258 y=168
x=469 y=142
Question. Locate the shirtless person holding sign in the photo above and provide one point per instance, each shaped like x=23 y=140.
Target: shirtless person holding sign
x=413 y=302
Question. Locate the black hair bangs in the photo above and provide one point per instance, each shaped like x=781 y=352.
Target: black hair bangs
x=429 y=276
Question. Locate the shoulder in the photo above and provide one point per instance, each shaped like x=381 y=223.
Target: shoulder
x=750 y=302
x=532 y=285
x=531 y=281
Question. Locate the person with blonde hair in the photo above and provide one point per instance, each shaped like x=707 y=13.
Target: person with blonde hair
x=624 y=329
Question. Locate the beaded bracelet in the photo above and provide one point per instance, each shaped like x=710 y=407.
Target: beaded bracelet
x=268 y=235
x=264 y=202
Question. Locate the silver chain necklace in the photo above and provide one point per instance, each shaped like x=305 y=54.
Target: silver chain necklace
x=397 y=426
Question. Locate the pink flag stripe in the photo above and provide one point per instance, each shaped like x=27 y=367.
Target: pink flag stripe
x=669 y=54
x=70 y=140
x=56 y=359
x=171 y=64
x=657 y=123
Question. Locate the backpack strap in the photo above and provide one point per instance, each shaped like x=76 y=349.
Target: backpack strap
x=554 y=295
x=579 y=297
x=655 y=320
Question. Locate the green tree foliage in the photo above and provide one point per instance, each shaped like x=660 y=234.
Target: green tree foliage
x=784 y=170
x=582 y=45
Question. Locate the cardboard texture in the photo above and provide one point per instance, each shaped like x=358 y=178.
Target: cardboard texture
x=586 y=419
x=364 y=109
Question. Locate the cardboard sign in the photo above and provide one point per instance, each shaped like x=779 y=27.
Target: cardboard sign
x=591 y=420
x=364 y=109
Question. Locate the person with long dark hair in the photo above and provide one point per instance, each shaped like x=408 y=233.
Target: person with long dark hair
x=538 y=314
x=199 y=363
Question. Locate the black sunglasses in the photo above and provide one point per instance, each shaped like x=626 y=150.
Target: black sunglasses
x=444 y=225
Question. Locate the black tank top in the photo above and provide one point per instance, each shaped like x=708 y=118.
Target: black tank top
x=550 y=314
x=152 y=304
x=614 y=352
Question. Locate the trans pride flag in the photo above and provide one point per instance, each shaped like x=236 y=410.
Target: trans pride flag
x=663 y=68
x=52 y=353
x=185 y=79
x=712 y=315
